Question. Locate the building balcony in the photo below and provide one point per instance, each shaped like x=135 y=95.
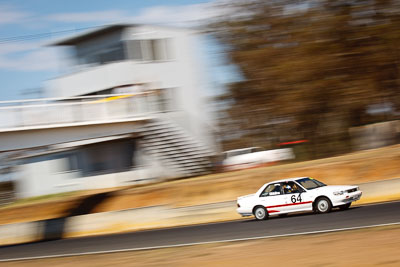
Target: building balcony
x=73 y=111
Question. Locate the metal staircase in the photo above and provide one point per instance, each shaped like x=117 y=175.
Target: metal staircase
x=175 y=149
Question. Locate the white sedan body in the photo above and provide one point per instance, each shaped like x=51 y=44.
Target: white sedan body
x=276 y=199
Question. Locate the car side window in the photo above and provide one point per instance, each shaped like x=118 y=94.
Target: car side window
x=299 y=189
x=291 y=188
x=271 y=190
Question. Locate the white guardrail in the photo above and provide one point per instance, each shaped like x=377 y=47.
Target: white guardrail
x=81 y=109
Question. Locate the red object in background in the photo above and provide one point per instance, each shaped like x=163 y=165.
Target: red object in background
x=293 y=142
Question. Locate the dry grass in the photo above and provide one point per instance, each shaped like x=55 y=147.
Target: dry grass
x=365 y=166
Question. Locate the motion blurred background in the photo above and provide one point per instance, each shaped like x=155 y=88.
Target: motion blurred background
x=323 y=71
x=104 y=96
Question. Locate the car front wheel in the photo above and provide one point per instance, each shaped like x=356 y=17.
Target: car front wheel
x=323 y=205
x=260 y=213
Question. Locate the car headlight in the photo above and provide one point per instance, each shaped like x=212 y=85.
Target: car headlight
x=338 y=193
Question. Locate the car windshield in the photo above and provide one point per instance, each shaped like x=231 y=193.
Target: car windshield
x=309 y=183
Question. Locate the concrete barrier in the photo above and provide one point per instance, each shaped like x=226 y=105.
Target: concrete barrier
x=154 y=217
x=379 y=191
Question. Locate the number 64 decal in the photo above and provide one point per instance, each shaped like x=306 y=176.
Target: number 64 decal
x=294 y=199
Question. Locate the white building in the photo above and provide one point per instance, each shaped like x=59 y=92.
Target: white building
x=130 y=109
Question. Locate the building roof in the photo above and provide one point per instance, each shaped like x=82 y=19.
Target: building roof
x=98 y=31
x=86 y=35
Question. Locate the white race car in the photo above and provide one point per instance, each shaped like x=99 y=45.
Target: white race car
x=294 y=195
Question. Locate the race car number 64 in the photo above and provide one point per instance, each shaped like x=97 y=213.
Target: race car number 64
x=294 y=199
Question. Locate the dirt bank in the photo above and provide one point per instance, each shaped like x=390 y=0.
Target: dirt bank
x=355 y=168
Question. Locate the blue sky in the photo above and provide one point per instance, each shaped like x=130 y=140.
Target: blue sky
x=25 y=64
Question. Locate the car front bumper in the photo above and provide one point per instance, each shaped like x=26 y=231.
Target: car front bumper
x=244 y=212
x=346 y=198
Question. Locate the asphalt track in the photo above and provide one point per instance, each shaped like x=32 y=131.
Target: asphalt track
x=385 y=213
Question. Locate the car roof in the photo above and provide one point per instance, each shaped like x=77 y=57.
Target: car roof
x=286 y=180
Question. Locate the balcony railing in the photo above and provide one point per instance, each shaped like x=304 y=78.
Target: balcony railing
x=50 y=112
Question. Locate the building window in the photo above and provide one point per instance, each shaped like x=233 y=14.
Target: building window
x=150 y=50
x=160 y=49
x=135 y=50
x=73 y=162
x=168 y=99
x=107 y=157
x=105 y=55
x=70 y=162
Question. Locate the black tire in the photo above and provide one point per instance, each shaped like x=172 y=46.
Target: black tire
x=260 y=213
x=345 y=206
x=322 y=205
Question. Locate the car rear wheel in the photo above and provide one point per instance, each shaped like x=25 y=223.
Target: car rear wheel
x=323 y=205
x=260 y=213
x=345 y=206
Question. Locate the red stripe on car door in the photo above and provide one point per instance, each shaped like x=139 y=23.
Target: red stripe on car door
x=291 y=204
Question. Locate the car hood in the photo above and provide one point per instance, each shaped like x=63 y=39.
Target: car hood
x=334 y=188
